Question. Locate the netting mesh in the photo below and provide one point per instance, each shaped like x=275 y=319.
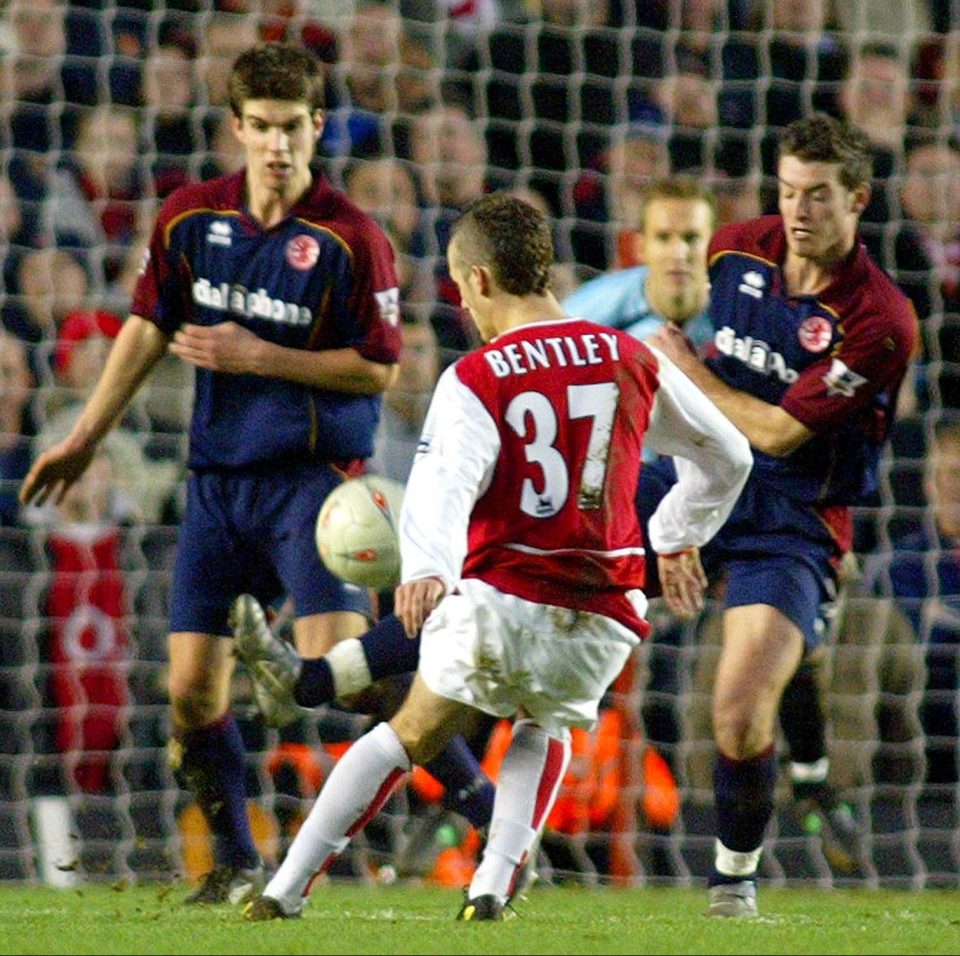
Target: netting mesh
x=108 y=106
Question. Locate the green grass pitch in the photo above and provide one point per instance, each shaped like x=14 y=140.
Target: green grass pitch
x=348 y=918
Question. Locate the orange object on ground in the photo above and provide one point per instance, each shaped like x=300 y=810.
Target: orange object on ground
x=197 y=844
x=660 y=798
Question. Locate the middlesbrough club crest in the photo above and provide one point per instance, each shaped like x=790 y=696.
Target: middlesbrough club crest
x=815 y=333
x=303 y=251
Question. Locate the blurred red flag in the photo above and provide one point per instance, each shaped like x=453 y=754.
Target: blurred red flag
x=87 y=603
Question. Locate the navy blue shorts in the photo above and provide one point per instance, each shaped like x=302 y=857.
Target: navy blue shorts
x=800 y=588
x=771 y=551
x=254 y=534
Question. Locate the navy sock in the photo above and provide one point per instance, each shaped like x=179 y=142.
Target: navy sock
x=314 y=686
x=743 y=791
x=388 y=652
x=819 y=791
x=213 y=767
x=388 y=649
x=802 y=716
x=468 y=791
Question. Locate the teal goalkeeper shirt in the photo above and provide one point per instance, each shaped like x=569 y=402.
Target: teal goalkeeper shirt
x=618 y=299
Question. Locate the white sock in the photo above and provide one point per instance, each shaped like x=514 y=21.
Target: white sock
x=529 y=780
x=358 y=787
x=815 y=772
x=348 y=664
x=735 y=862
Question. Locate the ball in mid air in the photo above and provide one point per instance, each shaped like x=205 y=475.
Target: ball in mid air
x=357 y=531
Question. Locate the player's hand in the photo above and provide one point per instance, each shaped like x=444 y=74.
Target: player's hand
x=55 y=471
x=413 y=602
x=683 y=581
x=225 y=347
x=670 y=340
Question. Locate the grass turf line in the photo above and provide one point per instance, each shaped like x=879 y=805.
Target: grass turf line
x=350 y=918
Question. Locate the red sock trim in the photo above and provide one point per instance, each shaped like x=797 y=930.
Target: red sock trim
x=386 y=788
x=548 y=780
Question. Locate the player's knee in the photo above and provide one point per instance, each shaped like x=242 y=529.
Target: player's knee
x=193 y=703
x=738 y=733
x=418 y=741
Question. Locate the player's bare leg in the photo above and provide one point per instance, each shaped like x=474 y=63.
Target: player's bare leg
x=530 y=777
x=316 y=634
x=355 y=791
x=761 y=650
x=284 y=685
x=207 y=753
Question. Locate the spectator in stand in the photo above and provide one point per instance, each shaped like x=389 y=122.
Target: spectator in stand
x=632 y=164
x=83 y=343
x=927 y=261
x=892 y=19
x=222 y=39
x=563 y=275
x=806 y=59
x=19 y=220
x=449 y=154
x=386 y=190
x=609 y=197
x=47 y=284
x=875 y=692
x=875 y=97
x=928 y=246
x=458 y=23
x=167 y=98
x=37 y=73
x=548 y=89
x=738 y=198
x=381 y=78
x=16 y=423
x=287 y=21
x=82 y=347
x=683 y=83
x=17 y=227
x=225 y=153
x=96 y=190
x=787 y=65
x=405 y=402
x=922 y=572
x=29 y=176
x=87 y=595
x=163 y=416
x=685 y=103
x=941 y=67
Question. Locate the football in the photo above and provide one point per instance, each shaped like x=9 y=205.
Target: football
x=357 y=531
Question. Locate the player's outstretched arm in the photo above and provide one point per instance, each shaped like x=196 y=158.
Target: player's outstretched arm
x=138 y=347
x=234 y=350
x=767 y=427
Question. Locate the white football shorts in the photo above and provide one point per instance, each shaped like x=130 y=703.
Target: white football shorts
x=499 y=653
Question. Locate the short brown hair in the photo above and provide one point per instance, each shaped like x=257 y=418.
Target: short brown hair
x=510 y=237
x=276 y=71
x=677 y=187
x=823 y=139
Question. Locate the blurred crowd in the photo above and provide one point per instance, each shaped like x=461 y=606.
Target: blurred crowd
x=576 y=105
